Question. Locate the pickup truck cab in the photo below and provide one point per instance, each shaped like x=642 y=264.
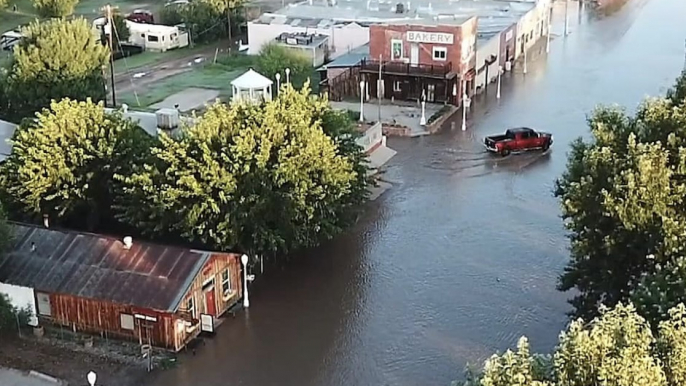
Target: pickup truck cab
x=518 y=139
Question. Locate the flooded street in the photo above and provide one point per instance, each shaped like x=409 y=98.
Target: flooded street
x=461 y=257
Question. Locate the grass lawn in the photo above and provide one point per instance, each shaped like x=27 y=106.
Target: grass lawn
x=148 y=58
x=212 y=76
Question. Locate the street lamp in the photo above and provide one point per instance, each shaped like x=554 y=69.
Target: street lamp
x=288 y=75
x=547 y=43
x=422 y=120
x=92 y=377
x=566 y=16
x=278 y=81
x=500 y=72
x=525 y=69
x=246 y=300
x=464 y=105
x=362 y=101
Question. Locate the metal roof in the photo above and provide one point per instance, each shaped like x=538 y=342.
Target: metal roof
x=348 y=60
x=99 y=267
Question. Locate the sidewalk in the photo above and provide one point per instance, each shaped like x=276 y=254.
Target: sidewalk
x=406 y=114
x=9 y=377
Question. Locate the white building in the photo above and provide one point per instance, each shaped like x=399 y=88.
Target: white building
x=344 y=36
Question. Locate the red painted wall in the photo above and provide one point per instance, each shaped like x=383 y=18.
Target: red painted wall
x=381 y=36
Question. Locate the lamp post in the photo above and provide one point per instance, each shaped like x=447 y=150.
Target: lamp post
x=566 y=16
x=464 y=105
x=92 y=377
x=500 y=72
x=525 y=66
x=288 y=75
x=246 y=300
x=547 y=43
x=422 y=120
x=278 y=81
x=362 y=100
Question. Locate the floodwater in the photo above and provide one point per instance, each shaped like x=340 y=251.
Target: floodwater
x=461 y=257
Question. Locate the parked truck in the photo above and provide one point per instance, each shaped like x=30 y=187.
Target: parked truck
x=518 y=140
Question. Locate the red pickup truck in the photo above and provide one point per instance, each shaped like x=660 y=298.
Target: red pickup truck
x=518 y=139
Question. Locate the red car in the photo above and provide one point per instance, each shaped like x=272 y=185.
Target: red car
x=518 y=139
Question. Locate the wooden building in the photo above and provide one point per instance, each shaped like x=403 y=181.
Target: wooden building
x=152 y=294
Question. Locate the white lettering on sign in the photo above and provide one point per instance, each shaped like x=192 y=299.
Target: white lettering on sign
x=430 y=37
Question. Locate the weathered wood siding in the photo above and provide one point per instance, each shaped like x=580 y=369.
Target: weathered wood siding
x=105 y=318
x=212 y=271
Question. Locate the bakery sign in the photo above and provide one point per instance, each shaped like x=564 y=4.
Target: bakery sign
x=429 y=37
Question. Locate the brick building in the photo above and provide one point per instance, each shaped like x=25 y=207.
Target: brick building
x=432 y=58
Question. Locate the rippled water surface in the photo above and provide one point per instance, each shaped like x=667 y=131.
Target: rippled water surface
x=461 y=257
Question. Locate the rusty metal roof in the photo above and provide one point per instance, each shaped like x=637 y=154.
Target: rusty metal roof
x=99 y=267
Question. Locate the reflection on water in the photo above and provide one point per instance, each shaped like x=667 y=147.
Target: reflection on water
x=461 y=257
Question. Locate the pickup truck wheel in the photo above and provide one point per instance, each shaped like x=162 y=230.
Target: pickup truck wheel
x=505 y=152
x=546 y=146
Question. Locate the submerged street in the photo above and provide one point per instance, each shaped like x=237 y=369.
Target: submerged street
x=461 y=257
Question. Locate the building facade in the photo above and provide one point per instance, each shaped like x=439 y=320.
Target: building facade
x=421 y=60
x=532 y=26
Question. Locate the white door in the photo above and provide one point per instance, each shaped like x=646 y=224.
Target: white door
x=414 y=55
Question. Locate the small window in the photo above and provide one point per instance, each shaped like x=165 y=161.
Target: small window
x=396 y=49
x=226 y=282
x=126 y=322
x=190 y=306
x=440 y=53
x=143 y=36
x=397 y=86
x=152 y=38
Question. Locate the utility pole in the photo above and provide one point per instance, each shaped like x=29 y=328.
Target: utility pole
x=684 y=54
x=380 y=86
x=111 y=24
x=228 y=22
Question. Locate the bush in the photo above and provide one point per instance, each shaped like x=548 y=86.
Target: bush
x=274 y=59
x=444 y=110
x=54 y=8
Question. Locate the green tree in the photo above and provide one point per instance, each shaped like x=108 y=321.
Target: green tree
x=54 y=8
x=64 y=163
x=615 y=349
x=259 y=178
x=274 y=58
x=3 y=4
x=671 y=346
x=622 y=199
x=122 y=32
x=47 y=66
x=206 y=19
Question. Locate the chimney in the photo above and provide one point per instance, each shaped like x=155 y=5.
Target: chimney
x=128 y=242
x=46 y=221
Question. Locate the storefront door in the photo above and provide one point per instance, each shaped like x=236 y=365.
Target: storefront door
x=414 y=55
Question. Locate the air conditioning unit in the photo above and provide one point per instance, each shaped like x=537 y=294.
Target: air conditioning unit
x=167 y=119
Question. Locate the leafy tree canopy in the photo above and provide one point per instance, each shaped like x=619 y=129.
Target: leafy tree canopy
x=615 y=349
x=206 y=19
x=57 y=59
x=54 y=8
x=259 y=178
x=274 y=59
x=623 y=201
x=64 y=163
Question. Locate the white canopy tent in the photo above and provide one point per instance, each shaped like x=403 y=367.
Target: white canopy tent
x=252 y=86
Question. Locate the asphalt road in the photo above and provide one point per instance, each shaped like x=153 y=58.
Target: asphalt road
x=461 y=257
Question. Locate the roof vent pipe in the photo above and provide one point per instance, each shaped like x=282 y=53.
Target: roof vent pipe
x=128 y=242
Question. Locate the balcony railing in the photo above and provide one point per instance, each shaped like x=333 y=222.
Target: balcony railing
x=434 y=70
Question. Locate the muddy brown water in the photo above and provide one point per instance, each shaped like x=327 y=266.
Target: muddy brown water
x=461 y=257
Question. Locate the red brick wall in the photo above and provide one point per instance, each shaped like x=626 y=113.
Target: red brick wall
x=380 y=37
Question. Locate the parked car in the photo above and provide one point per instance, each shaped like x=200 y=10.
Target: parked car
x=518 y=139
x=141 y=16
